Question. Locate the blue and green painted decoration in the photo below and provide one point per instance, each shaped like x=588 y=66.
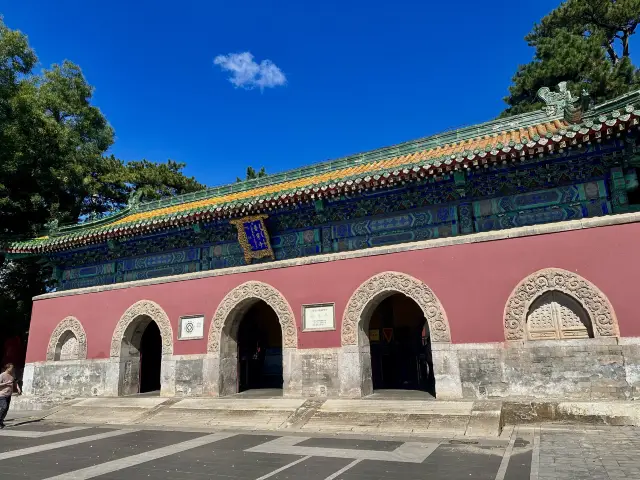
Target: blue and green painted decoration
x=569 y=186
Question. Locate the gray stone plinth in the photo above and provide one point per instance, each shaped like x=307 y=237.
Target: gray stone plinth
x=581 y=370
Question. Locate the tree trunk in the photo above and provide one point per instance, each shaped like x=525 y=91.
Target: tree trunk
x=625 y=44
x=613 y=56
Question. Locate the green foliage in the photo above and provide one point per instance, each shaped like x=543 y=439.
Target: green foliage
x=19 y=282
x=582 y=42
x=114 y=181
x=53 y=165
x=251 y=174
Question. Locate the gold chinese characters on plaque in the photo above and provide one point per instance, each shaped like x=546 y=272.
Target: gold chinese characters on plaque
x=253 y=237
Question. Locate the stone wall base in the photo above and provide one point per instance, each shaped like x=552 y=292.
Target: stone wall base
x=586 y=369
x=589 y=369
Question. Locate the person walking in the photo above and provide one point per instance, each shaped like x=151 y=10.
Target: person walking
x=7 y=382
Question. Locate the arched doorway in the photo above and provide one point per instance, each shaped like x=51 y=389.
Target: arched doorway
x=354 y=361
x=259 y=349
x=245 y=317
x=141 y=357
x=400 y=346
x=141 y=341
x=150 y=359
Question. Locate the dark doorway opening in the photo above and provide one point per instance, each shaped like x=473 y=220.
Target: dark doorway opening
x=259 y=349
x=150 y=359
x=400 y=346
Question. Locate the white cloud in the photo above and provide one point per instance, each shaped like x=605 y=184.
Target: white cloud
x=246 y=73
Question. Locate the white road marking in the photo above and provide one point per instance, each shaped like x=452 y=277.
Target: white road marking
x=502 y=471
x=133 y=460
x=284 y=468
x=410 y=452
x=36 y=434
x=343 y=469
x=535 y=456
x=64 y=443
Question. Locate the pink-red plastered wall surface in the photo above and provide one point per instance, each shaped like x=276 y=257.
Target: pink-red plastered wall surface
x=472 y=281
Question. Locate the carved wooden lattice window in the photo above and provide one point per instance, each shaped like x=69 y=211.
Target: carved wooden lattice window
x=68 y=347
x=555 y=315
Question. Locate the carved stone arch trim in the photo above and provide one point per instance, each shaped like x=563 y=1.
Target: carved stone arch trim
x=244 y=294
x=68 y=324
x=595 y=303
x=143 y=308
x=387 y=283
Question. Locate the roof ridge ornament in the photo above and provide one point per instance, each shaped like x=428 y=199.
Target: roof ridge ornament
x=572 y=107
x=134 y=200
x=52 y=227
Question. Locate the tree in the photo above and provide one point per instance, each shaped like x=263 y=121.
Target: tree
x=114 y=181
x=53 y=166
x=251 y=174
x=582 y=42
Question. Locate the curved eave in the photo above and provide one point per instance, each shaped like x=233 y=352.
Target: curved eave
x=591 y=131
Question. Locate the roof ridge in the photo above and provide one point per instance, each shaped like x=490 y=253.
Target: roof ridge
x=523 y=120
x=423 y=143
x=613 y=104
x=492 y=131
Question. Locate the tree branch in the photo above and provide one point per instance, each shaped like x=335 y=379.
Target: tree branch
x=625 y=45
x=597 y=19
x=611 y=52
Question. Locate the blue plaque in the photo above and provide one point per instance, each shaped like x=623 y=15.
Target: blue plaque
x=253 y=237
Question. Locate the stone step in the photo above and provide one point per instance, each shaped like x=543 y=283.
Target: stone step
x=407 y=417
x=110 y=411
x=398 y=406
x=285 y=404
x=251 y=413
x=623 y=413
x=470 y=418
x=32 y=403
x=397 y=417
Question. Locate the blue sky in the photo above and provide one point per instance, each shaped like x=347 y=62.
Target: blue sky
x=359 y=74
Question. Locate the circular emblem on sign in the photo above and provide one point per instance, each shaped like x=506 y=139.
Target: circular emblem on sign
x=189 y=327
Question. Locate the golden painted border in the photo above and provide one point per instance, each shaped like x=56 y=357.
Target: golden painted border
x=244 y=241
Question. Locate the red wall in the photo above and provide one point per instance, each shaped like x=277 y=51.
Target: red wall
x=473 y=282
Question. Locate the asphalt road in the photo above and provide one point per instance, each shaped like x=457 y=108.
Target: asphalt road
x=43 y=450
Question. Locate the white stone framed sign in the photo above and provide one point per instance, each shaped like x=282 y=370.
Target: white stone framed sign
x=318 y=317
x=191 y=327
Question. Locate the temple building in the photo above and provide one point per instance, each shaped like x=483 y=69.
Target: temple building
x=490 y=261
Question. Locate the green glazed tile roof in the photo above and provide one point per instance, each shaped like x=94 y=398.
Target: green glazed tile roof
x=501 y=141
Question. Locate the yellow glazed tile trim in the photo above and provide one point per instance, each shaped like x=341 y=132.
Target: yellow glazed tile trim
x=337 y=175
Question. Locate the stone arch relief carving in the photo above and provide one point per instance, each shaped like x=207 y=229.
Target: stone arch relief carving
x=243 y=293
x=143 y=308
x=596 y=304
x=395 y=282
x=68 y=324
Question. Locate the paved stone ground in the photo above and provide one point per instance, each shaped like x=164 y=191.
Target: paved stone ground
x=47 y=450
x=593 y=453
